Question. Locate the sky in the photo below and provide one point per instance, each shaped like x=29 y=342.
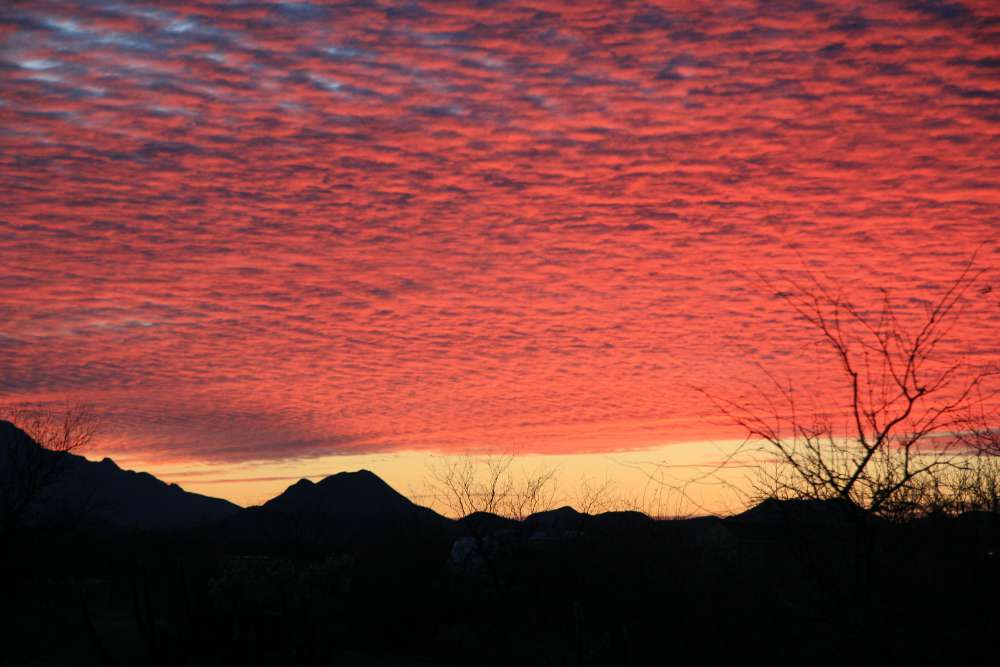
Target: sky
x=264 y=239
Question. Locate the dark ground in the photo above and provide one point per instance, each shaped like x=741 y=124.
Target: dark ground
x=619 y=591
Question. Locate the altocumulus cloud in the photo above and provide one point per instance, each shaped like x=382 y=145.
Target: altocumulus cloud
x=267 y=230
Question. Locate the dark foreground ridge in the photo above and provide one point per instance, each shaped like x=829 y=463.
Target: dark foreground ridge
x=102 y=566
x=62 y=488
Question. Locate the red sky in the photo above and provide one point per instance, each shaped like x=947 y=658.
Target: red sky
x=265 y=231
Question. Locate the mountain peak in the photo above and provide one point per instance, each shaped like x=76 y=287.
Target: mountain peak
x=361 y=492
x=558 y=519
x=809 y=510
x=355 y=507
x=362 y=474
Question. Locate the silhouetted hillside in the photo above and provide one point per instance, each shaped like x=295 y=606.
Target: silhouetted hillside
x=361 y=492
x=345 y=508
x=96 y=494
x=552 y=522
x=773 y=511
x=347 y=571
x=486 y=522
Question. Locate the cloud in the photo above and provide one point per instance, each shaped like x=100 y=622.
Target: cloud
x=274 y=230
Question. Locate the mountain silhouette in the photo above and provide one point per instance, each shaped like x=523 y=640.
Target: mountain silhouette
x=776 y=512
x=361 y=492
x=554 y=522
x=345 y=508
x=64 y=489
x=481 y=523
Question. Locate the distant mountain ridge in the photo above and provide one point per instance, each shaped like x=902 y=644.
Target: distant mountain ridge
x=344 y=508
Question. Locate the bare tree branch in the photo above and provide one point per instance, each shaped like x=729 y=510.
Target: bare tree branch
x=26 y=471
x=911 y=411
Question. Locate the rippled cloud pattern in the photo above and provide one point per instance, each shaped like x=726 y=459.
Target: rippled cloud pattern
x=266 y=230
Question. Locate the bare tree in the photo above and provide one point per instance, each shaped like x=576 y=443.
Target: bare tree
x=977 y=486
x=27 y=470
x=491 y=484
x=473 y=488
x=888 y=443
x=593 y=496
x=980 y=429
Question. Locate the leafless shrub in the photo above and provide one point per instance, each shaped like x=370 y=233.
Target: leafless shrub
x=888 y=444
x=593 y=496
x=492 y=484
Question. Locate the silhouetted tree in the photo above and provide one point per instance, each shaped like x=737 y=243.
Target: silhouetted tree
x=476 y=489
x=26 y=470
x=889 y=442
x=490 y=484
x=593 y=496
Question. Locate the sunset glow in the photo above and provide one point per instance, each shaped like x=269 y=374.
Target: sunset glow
x=261 y=236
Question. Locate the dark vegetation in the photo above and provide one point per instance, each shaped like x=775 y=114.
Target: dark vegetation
x=349 y=572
